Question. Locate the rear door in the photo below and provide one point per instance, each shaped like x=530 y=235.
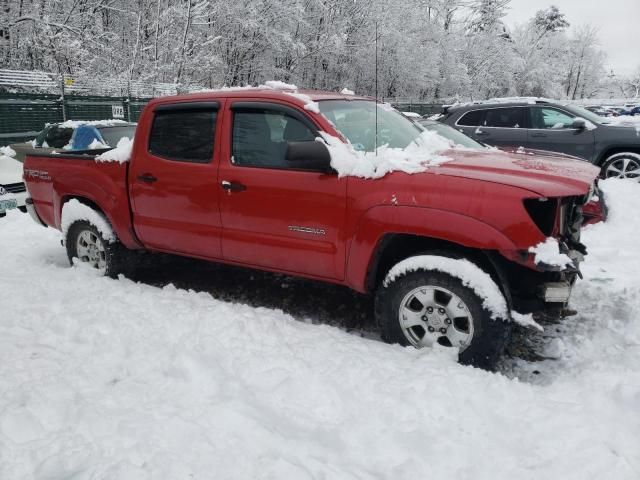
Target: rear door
x=551 y=129
x=503 y=127
x=173 y=188
x=273 y=216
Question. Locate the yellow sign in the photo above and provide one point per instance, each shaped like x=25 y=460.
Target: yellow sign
x=68 y=81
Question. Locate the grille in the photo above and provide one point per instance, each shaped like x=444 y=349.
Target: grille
x=15 y=187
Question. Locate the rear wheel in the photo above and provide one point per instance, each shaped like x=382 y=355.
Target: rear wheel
x=423 y=308
x=85 y=242
x=622 y=165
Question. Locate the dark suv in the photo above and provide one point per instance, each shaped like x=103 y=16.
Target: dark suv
x=546 y=125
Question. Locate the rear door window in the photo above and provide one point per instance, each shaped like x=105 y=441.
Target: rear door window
x=472 y=119
x=505 y=118
x=183 y=135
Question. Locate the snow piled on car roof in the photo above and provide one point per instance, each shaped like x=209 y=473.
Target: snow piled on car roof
x=97 y=123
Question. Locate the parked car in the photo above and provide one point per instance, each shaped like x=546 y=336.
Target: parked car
x=76 y=135
x=241 y=177
x=13 y=193
x=633 y=112
x=546 y=125
x=601 y=111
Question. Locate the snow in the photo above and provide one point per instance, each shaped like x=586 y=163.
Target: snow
x=471 y=275
x=548 y=252
x=120 y=154
x=309 y=104
x=73 y=211
x=106 y=379
x=416 y=158
x=99 y=123
x=412 y=114
x=97 y=144
x=346 y=91
x=7 y=151
x=278 y=85
x=286 y=88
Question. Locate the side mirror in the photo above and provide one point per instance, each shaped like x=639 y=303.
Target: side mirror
x=579 y=123
x=312 y=155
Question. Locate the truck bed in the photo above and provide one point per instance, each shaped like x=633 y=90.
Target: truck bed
x=54 y=178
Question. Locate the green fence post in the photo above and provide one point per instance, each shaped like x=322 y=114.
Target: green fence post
x=62 y=98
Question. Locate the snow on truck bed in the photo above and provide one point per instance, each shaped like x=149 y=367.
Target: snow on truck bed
x=111 y=379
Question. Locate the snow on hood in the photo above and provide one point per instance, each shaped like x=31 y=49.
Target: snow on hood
x=417 y=157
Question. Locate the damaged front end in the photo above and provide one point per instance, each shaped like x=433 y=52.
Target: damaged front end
x=542 y=288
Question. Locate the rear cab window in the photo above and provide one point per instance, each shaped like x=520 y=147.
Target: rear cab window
x=184 y=132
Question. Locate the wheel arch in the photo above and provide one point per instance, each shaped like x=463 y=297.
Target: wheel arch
x=608 y=153
x=392 y=248
x=123 y=230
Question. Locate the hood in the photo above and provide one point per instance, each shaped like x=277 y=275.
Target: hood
x=546 y=176
x=10 y=170
x=621 y=131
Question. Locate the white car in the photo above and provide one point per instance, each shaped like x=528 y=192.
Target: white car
x=13 y=192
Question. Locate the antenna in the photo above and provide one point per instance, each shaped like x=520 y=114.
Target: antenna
x=376 y=75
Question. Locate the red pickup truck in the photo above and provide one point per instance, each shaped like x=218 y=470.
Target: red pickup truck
x=243 y=177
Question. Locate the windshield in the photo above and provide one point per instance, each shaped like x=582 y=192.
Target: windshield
x=452 y=134
x=356 y=121
x=584 y=113
x=111 y=135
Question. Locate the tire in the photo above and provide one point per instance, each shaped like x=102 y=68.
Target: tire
x=622 y=165
x=483 y=338
x=111 y=259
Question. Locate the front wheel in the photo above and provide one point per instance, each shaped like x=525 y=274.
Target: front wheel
x=85 y=242
x=425 y=307
x=622 y=165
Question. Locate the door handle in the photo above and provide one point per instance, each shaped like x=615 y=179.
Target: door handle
x=147 y=178
x=233 y=186
x=539 y=135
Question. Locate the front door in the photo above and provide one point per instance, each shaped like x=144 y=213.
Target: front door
x=173 y=187
x=273 y=216
x=551 y=129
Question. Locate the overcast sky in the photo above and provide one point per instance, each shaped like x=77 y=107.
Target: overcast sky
x=618 y=23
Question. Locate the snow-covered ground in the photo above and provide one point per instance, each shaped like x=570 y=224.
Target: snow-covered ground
x=113 y=379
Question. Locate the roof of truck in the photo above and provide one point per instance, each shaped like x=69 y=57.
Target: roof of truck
x=262 y=92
